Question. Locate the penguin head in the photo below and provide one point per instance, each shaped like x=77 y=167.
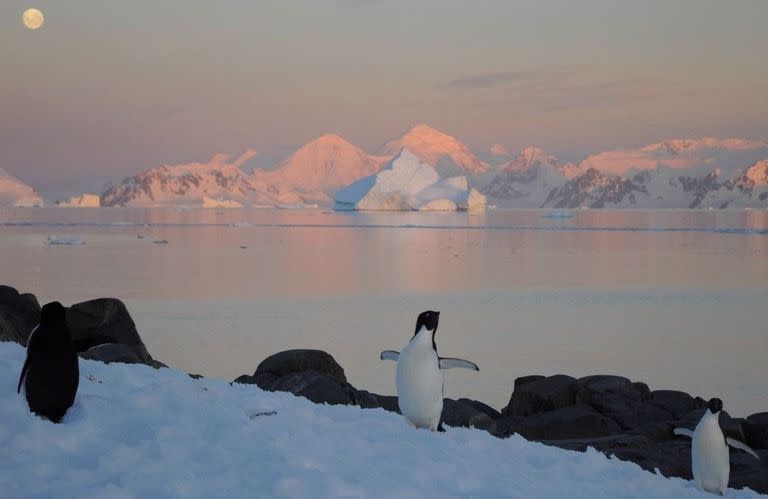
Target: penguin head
x=52 y=315
x=428 y=319
x=715 y=405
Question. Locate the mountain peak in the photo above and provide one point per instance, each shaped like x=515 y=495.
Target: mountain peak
x=531 y=157
x=432 y=146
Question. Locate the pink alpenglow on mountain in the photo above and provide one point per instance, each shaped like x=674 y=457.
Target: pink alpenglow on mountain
x=325 y=164
x=407 y=183
x=14 y=192
x=442 y=151
x=675 y=154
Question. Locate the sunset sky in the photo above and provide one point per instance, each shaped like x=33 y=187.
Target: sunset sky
x=106 y=89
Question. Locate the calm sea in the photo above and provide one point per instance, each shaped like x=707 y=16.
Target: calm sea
x=678 y=299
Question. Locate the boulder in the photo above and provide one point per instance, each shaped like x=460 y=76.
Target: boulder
x=19 y=314
x=756 y=429
x=312 y=374
x=677 y=403
x=104 y=320
x=625 y=402
x=126 y=354
x=103 y=330
x=318 y=387
x=480 y=406
x=293 y=361
x=541 y=395
x=571 y=422
x=458 y=413
x=370 y=400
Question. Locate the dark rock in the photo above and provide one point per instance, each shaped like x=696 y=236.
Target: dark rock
x=318 y=387
x=368 y=400
x=732 y=427
x=480 y=406
x=456 y=413
x=657 y=431
x=620 y=399
x=746 y=471
x=104 y=320
x=523 y=380
x=195 y=376
x=677 y=403
x=293 y=361
x=541 y=395
x=103 y=330
x=19 y=314
x=756 y=429
x=245 y=379
x=576 y=421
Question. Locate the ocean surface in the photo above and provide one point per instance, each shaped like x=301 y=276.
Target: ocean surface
x=678 y=299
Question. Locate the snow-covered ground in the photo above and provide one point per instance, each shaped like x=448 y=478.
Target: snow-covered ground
x=139 y=432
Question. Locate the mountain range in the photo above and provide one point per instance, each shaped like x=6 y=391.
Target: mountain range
x=678 y=173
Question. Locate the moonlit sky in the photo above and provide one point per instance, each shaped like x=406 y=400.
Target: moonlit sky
x=107 y=89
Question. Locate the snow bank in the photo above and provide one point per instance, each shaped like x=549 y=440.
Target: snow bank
x=405 y=184
x=139 y=432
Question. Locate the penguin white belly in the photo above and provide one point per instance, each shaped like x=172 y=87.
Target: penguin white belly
x=710 y=459
x=420 y=386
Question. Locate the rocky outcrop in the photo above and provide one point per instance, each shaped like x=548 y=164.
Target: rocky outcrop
x=101 y=329
x=19 y=314
x=612 y=414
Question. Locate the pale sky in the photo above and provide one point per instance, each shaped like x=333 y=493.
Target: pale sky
x=106 y=89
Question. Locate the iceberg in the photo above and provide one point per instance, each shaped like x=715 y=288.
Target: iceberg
x=406 y=183
x=84 y=201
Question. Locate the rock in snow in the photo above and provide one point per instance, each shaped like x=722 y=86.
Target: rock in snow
x=406 y=183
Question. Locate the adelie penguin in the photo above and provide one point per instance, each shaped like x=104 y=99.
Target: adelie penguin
x=710 y=459
x=51 y=372
x=419 y=374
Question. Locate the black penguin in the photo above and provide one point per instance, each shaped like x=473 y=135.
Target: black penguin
x=51 y=372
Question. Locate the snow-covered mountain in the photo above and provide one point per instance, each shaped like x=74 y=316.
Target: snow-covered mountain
x=704 y=154
x=527 y=180
x=14 y=192
x=665 y=188
x=408 y=183
x=220 y=178
x=310 y=175
x=678 y=173
x=445 y=153
x=320 y=167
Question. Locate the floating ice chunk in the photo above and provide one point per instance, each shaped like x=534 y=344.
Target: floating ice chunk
x=209 y=202
x=405 y=184
x=64 y=241
x=559 y=214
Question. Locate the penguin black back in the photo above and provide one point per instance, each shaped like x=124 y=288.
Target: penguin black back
x=51 y=373
x=428 y=319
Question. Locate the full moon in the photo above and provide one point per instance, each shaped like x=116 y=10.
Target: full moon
x=33 y=18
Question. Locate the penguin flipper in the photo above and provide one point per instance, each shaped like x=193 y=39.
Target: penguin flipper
x=23 y=374
x=450 y=363
x=742 y=446
x=389 y=355
x=683 y=432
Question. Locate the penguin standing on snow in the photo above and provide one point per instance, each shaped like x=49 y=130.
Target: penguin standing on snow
x=709 y=450
x=51 y=372
x=419 y=376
